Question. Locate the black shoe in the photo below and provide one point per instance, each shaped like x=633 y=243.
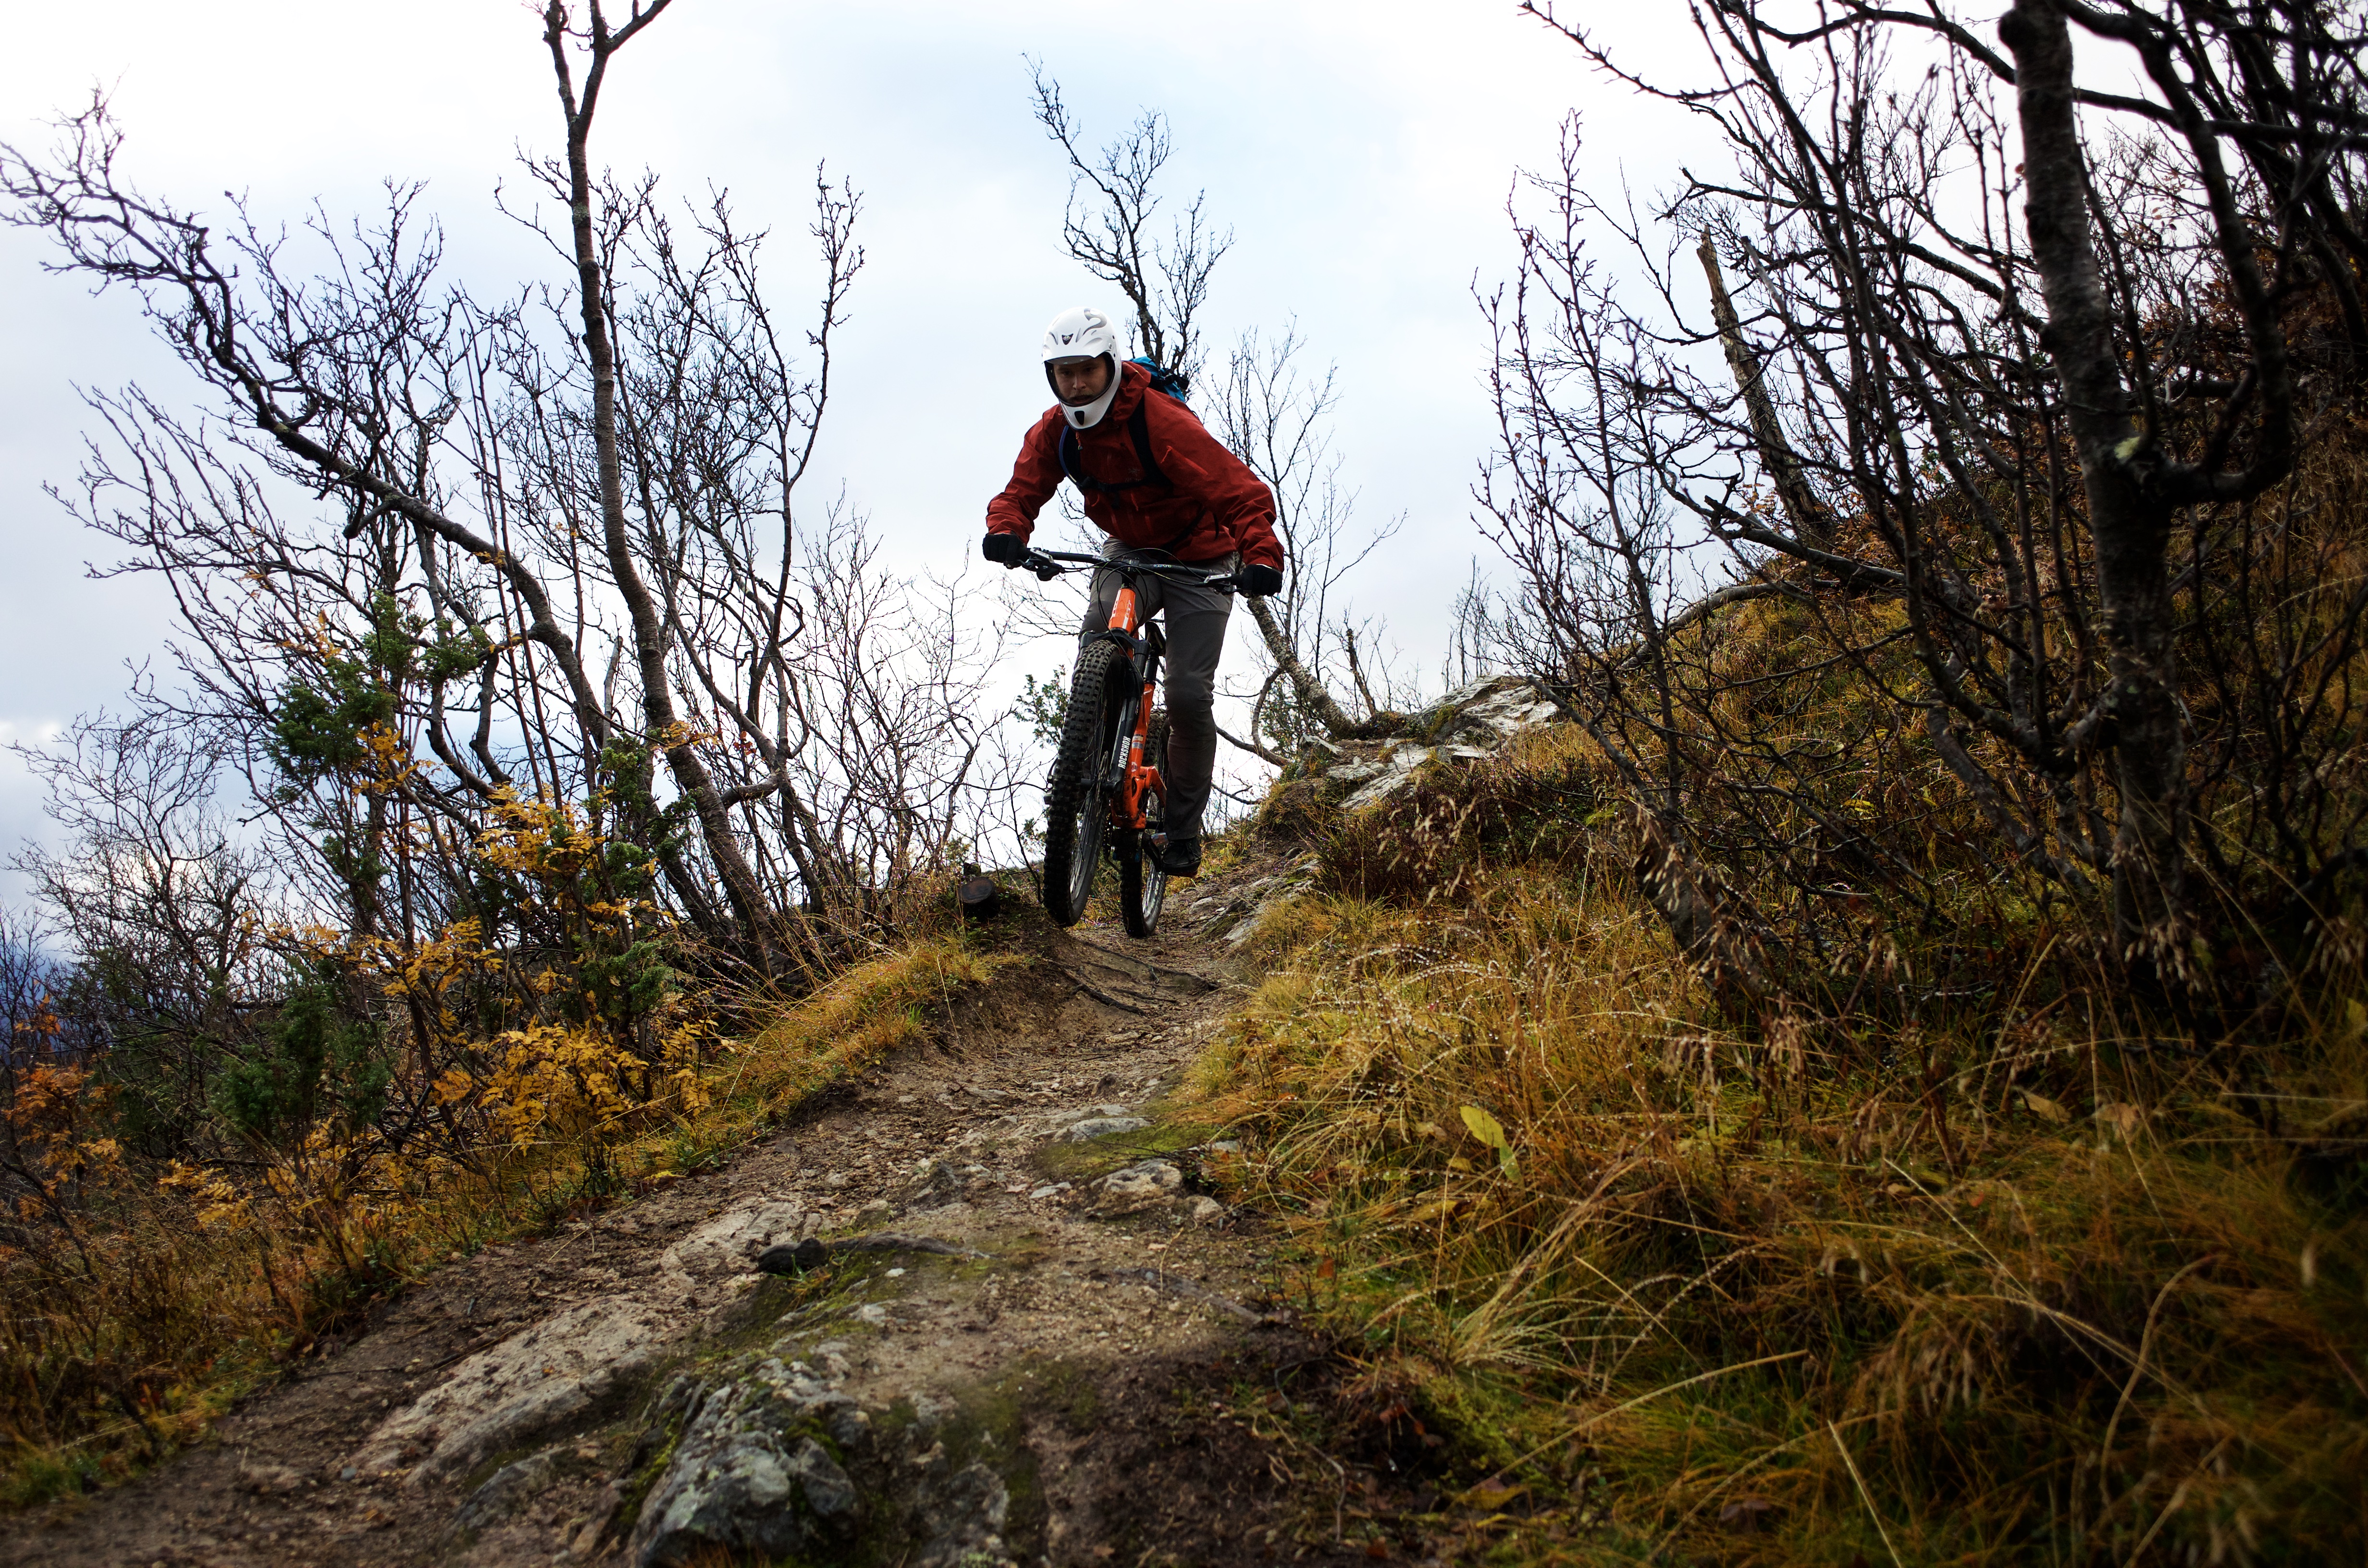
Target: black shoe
x=1181 y=857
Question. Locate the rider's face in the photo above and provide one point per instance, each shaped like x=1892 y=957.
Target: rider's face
x=1080 y=381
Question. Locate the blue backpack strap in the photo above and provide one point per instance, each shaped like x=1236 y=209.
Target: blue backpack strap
x=1138 y=425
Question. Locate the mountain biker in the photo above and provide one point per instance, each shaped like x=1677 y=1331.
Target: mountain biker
x=1153 y=479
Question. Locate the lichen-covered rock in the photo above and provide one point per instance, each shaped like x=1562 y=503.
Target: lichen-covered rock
x=1391 y=772
x=1140 y=1187
x=750 y=1475
x=961 y=1522
x=533 y=1382
x=1467 y=724
x=1095 y=1127
x=936 y=1183
x=1486 y=713
x=731 y=1243
x=506 y=1492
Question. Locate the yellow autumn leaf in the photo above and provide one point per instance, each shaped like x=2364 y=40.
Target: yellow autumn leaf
x=1491 y=1131
x=1493 y=1493
x=1484 y=1127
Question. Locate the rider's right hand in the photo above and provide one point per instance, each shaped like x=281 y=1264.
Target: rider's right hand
x=1009 y=549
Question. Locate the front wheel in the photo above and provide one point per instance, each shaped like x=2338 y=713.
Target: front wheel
x=1142 y=878
x=1077 y=807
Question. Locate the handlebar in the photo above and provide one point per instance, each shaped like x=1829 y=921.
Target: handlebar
x=1047 y=565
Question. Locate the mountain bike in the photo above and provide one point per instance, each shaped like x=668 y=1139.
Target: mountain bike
x=1109 y=773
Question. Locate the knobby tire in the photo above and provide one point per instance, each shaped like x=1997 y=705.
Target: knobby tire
x=1077 y=811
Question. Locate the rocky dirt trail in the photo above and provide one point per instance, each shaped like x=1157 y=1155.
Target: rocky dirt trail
x=969 y=1309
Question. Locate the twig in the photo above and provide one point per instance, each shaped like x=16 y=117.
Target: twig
x=2177 y=1498
x=1098 y=994
x=1152 y=973
x=1652 y=1395
x=1863 y=1497
x=2137 y=1367
x=1160 y=1281
x=1263 y=753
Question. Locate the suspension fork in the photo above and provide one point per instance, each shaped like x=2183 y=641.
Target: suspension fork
x=1137 y=778
x=1142 y=778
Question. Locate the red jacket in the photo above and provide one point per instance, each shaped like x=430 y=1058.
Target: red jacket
x=1212 y=505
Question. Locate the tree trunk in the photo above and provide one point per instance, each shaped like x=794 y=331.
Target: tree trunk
x=2131 y=527
x=1313 y=701
x=665 y=728
x=1811 y=524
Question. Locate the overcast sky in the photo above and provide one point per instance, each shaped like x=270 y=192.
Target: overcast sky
x=1361 y=153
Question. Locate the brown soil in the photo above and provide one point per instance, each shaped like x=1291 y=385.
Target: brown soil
x=1163 y=1401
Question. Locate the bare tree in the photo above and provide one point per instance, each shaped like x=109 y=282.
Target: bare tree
x=1278 y=422
x=2037 y=387
x=169 y=915
x=569 y=543
x=1111 y=231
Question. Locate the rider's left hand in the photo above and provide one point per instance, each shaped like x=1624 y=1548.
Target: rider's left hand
x=1257 y=582
x=1009 y=550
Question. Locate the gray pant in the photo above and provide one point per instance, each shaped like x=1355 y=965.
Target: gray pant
x=1196 y=636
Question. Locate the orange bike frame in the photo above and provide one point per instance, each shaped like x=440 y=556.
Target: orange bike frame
x=1139 y=777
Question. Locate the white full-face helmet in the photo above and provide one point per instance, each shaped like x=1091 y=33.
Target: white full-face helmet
x=1079 y=334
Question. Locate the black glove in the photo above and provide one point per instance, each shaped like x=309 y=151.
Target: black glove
x=1008 y=548
x=1257 y=582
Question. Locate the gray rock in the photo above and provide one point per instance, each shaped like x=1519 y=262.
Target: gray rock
x=1141 y=1185
x=509 y=1490
x=1468 y=724
x=531 y=1384
x=961 y=1523
x=726 y=1245
x=1403 y=759
x=1148 y=1175
x=266 y=1479
x=1487 y=713
x=749 y=1477
x=936 y=1183
x=1095 y=1127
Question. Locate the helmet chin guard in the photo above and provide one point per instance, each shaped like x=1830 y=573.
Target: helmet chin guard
x=1076 y=333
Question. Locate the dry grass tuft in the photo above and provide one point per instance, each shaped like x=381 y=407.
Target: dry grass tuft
x=1999 y=1286
x=157 y=1298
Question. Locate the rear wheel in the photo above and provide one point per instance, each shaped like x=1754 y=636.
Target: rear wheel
x=1076 y=806
x=1142 y=878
